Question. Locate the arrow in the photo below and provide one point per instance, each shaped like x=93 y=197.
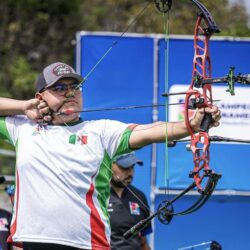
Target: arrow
x=212 y=139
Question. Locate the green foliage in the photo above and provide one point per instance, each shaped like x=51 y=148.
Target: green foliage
x=35 y=33
x=7 y=163
x=23 y=77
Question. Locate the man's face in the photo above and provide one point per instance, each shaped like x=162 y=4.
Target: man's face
x=122 y=176
x=63 y=96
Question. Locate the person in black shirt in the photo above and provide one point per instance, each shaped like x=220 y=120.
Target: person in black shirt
x=5 y=219
x=127 y=205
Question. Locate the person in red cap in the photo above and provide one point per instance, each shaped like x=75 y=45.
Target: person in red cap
x=63 y=164
x=127 y=205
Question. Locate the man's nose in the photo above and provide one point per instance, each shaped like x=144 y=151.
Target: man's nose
x=70 y=91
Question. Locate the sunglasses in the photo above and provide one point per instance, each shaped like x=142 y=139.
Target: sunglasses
x=62 y=89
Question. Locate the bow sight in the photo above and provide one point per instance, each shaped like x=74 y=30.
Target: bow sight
x=230 y=79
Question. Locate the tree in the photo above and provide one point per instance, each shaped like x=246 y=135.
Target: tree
x=35 y=33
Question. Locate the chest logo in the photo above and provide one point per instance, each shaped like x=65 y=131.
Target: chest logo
x=37 y=131
x=83 y=139
x=134 y=208
x=3 y=224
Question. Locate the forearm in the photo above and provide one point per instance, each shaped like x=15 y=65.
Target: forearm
x=144 y=244
x=11 y=107
x=143 y=135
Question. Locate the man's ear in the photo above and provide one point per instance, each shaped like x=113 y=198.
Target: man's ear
x=38 y=96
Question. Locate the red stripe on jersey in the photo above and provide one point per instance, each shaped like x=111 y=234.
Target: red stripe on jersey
x=98 y=236
x=14 y=224
x=132 y=126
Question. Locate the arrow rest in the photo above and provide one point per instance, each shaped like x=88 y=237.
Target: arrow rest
x=163 y=5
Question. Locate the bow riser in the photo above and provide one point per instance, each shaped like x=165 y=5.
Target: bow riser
x=202 y=68
x=201 y=157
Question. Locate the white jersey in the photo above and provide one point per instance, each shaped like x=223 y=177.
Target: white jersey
x=62 y=180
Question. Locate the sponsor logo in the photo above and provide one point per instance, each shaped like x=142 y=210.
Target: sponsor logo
x=62 y=69
x=110 y=207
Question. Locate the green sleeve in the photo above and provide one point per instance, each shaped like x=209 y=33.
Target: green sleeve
x=123 y=147
x=4 y=133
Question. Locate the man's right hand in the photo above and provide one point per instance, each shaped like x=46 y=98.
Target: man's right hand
x=37 y=110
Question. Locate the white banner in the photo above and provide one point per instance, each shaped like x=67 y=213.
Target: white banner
x=235 y=121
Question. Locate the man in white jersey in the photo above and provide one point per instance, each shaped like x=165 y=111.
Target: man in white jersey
x=63 y=164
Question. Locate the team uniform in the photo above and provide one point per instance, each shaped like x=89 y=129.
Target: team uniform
x=125 y=212
x=62 y=180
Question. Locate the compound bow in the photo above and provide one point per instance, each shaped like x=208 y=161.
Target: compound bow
x=198 y=95
x=204 y=178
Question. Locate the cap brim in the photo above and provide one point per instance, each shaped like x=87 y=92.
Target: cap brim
x=71 y=75
x=140 y=163
x=127 y=164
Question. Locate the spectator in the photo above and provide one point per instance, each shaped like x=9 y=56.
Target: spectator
x=127 y=206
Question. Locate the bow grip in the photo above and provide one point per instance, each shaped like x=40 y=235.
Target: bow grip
x=206 y=122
